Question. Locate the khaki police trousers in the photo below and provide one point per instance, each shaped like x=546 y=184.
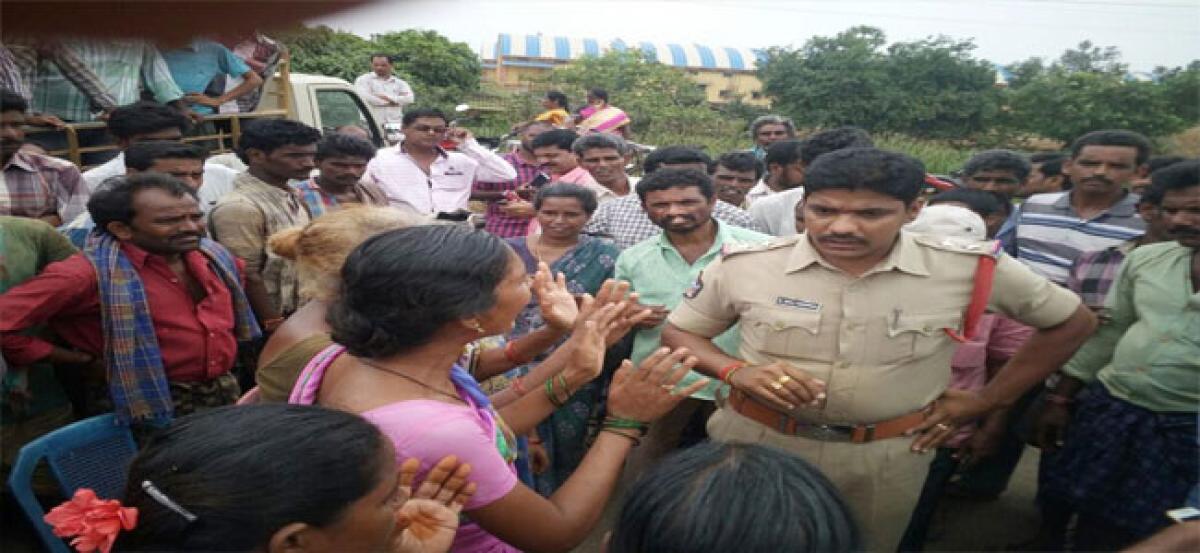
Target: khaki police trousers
x=880 y=481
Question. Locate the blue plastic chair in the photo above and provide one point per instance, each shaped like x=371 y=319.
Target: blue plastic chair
x=92 y=453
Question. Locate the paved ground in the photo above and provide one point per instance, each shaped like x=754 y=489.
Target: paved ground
x=960 y=525
x=990 y=526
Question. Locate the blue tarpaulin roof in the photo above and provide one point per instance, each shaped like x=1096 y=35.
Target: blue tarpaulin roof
x=689 y=56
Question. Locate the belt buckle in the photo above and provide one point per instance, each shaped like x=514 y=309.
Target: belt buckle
x=828 y=432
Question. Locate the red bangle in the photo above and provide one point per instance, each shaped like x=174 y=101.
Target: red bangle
x=1059 y=399
x=510 y=353
x=728 y=370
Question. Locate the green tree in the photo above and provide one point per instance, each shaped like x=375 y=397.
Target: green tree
x=928 y=88
x=431 y=60
x=1181 y=87
x=939 y=90
x=1063 y=106
x=1024 y=72
x=324 y=51
x=1086 y=89
x=1089 y=58
x=831 y=81
x=440 y=71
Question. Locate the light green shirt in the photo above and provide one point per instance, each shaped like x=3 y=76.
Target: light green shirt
x=660 y=276
x=1147 y=350
x=124 y=66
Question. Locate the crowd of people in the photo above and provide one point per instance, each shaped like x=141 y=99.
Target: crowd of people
x=800 y=346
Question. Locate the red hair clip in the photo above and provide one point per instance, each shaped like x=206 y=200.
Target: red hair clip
x=93 y=522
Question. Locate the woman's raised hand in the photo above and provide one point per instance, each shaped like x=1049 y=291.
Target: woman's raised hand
x=614 y=292
x=589 y=341
x=557 y=304
x=652 y=390
x=427 y=520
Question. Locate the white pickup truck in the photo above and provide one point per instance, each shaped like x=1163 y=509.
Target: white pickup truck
x=324 y=103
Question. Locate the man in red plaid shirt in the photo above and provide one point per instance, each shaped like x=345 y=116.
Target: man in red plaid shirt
x=508 y=214
x=1093 y=272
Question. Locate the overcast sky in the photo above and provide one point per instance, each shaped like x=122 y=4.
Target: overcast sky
x=1148 y=32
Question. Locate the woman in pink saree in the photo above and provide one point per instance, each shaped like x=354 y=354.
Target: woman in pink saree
x=599 y=116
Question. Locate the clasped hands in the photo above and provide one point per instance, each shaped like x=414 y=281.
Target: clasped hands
x=787 y=388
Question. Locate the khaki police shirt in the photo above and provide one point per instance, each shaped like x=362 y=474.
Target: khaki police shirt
x=876 y=340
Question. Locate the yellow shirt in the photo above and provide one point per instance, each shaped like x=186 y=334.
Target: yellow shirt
x=557 y=117
x=876 y=340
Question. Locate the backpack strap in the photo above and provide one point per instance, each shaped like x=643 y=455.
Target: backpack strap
x=985 y=272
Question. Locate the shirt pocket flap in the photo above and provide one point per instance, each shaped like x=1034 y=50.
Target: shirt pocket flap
x=918 y=335
x=785 y=332
x=927 y=324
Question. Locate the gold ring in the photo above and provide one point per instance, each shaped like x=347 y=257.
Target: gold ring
x=942 y=426
x=776 y=386
x=785 y=379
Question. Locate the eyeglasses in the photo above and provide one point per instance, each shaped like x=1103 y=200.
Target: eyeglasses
x=427 y=128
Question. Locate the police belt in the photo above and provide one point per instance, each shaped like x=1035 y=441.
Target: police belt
x=781 y=422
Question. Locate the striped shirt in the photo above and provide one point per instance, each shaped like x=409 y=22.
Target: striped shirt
x=10 y=74
x=1050 y=236
x=26 y=60
x=123 y=65
x=34 y=185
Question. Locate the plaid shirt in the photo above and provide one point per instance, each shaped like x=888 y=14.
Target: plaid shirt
x=35 y=185
x=320 y=203
x=1093 y=272
x=26 y=59
x=624 y=220
x=123 y=66
x=497 y=222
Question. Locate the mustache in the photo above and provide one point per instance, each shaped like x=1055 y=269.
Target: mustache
x=1183 y=231
x=848 y=238
x=1100 y=180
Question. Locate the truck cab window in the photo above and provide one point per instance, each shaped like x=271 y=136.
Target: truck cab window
x=337 y=107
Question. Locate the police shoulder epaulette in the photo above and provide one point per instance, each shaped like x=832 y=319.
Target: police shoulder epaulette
x=737 y=248
x=960 y=245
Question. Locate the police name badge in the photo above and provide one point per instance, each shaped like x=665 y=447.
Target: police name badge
x=803 y=305
x=695 y=288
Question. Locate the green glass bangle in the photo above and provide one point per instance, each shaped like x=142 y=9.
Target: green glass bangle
x=549 y=387
x=624 y=423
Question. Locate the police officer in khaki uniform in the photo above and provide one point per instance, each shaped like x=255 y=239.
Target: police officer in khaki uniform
x=846 y=335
